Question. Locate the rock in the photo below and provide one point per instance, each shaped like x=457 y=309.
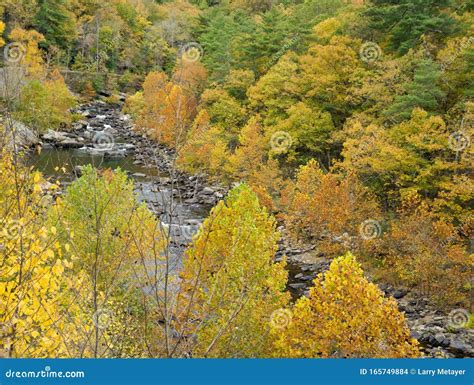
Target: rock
x=297 y=285
x=439 y=339
x=55 y=136
x=399 y=294
x=207 y=191
x=22 y=135
x=78 y=171
x=461 y=346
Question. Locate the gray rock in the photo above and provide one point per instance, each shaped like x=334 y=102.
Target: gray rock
x=21 y=135
x=460 y=345
x=207 y=191
x=297 y=285
x=399 y=294
x=78 y=171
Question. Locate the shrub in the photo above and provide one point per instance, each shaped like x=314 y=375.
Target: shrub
x=45 y=105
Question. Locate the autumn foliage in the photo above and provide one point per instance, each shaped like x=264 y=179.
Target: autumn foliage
x=345 y=316
x=328 y=209
x=230 y=283
x=33 y=293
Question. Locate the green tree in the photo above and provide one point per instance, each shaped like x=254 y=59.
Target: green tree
x=110 y=238
x=423 y=92
x=407 y=20
x=56 y=22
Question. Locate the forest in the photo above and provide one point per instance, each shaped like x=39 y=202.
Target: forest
x=236 y=178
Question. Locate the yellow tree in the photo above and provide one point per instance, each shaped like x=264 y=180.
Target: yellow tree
x=167 y=109
x=51 y=97
x=2 y=28
x=205 y=148
x=428 y=254
x=27 y=51
x=330 y=208
x=231 y=285
x=345 y=316
x=34 y=292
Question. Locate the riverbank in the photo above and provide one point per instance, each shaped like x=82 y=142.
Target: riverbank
x=105 y=138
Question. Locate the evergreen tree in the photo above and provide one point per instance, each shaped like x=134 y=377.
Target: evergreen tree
x=423 y=92
x=55 y=22
x=408 y=20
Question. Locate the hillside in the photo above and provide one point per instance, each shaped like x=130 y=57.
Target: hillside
x=240 y=178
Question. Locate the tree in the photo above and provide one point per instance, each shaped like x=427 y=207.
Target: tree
x=277 y=90
x=424 y=92
x=34 y=300
x=345 y=316
x=414 y=154
x=310 y=130
x=330 y=75
x=329 y=209
x=237 y=83
x=167 y=109
x=2 y=28
x=407 y=21
x=230 y=283
x=225 y=112
x=251 y=152
x=55 y=22
x=428 y=254
x=30 y=55
x=111 y=238
x=52 y=98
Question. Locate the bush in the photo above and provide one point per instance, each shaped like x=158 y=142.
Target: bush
x=45 y=105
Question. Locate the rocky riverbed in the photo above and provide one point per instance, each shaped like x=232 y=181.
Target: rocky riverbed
x=105 y=138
